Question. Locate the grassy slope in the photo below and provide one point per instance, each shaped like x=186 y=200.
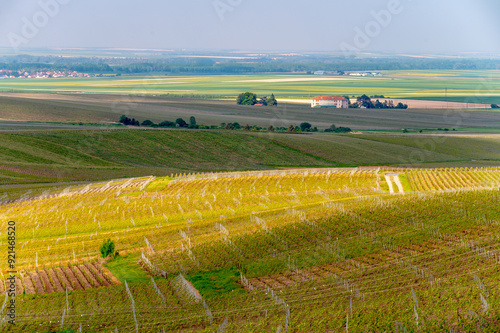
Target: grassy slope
x=91 y=155
x=462 y=146
x=354 y=150
x=86 y=155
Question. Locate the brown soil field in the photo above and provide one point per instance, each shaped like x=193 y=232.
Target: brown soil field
x=37 y=282
x=30 y=289
x=46 y=281
x=65 y=283
x=57 y=284
x=72 y=278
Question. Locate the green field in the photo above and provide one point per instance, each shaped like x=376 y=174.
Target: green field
x=463 y=86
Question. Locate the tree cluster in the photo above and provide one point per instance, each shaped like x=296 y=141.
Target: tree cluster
x=304 y=127
x=335 y=129
x=179 y=122
x=249 y=98
x=128 y=122
x=364 y=101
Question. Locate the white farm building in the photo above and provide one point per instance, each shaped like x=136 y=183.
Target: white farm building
x=330 y=101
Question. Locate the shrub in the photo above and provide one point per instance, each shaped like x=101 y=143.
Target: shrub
x=181 y=122
x=147 y=123
x=167 y=123
x=107 y=248
x=304 y=127
x=335 y=129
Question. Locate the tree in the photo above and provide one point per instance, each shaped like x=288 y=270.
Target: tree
x=291 y=128
x=401 y=106
x=495 y=106
x=365 y=101
x=343 y=130
x=167 y=123
x=270 y=128
x=128 y=122
x=124 y=119
x=147 y=123
x=389 y=104
x=247 y=98
x=379 y=105
x=107 y=248
x=271 y=101
x=180 y=122
x=263 y=101
x=192 y=122
x=305 y=127
x=247 y=127
x=332 y=128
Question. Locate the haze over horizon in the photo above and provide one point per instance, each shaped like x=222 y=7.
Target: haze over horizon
x=389 y=26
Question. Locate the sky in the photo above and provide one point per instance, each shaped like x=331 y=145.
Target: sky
x=392 y=26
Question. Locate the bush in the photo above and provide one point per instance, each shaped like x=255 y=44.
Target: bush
x=167 y=123
x=192 y=122
x=147 y=123
x=495 y=106
x=181 y=122
x=128 y=122
x=304 y=127
x=334 y=129
x=107 y=248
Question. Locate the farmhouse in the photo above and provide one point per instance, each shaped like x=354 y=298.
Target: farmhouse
x=330 y=102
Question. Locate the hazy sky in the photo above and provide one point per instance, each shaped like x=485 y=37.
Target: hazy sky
x=412 y=26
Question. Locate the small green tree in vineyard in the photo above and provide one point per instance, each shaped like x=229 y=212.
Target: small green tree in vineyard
x=107 y=248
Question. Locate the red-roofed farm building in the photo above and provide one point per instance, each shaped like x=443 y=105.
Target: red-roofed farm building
x=330 y=102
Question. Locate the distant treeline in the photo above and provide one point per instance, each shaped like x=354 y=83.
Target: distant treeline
x=262 y=65
x=304 y=127
x=40 y=67
x=238 y=68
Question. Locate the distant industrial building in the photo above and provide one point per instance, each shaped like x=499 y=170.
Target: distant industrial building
x=366 y=74
x=330 y=102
